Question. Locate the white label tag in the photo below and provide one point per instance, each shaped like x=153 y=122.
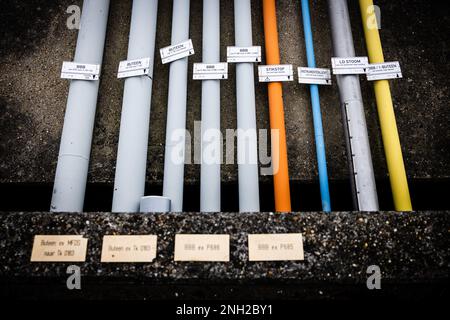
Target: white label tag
x=350 y=65
x=210 y=71
x=384 y=71
x=134 y=68
x=177 y=51
x=243 y=54
x=314 y=76
x=80 y=71
x=276 y=73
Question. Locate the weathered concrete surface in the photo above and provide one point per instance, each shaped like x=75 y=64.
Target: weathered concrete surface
x=410 y=249
x=35 y=41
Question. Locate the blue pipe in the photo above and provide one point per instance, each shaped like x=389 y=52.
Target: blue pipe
x=317 y=117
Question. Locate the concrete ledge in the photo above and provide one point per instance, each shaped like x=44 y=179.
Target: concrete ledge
x=411 y=250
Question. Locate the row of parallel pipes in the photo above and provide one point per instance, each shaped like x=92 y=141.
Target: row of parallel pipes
x=129 y=185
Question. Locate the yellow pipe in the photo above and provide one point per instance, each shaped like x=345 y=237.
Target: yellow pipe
x=389 y=132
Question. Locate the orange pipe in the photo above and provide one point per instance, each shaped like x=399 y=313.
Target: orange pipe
x=276 y=111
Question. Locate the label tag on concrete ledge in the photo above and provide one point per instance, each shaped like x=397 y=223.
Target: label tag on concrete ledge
x=350 y=65
x=384 y=71
x=134 y=68
x=243 y=54
x=80 y=71
x=314 y=76
x=202 y=247
x=177 y=51
x=59 y=248
x=141 y=248
x=276 y=73
x=210 y=71
x=275 y=247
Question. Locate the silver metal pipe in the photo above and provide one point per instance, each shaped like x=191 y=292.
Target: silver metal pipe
x=358 y=148
x=211 y=138
x=75 y=149
x=246 y=113
x=129 y=184
x=176 y=112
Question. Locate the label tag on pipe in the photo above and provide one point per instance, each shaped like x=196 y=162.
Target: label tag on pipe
x=314 y=76
x=276 y=73
x=134 y=68
x=80 y=71
x=275 y=247
x=243 y=54
x=210 y=71
x=350 y=65
x=384 y=71
x=177 y=51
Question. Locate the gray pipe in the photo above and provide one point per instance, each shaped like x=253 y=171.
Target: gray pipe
x=153 y=204
x=246 y=113
x=76 y=139
x=210 y=167
x=176 y=111
x=129 y=184
x=358 y=148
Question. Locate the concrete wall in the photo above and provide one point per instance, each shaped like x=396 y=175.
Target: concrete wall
x=36 y=40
